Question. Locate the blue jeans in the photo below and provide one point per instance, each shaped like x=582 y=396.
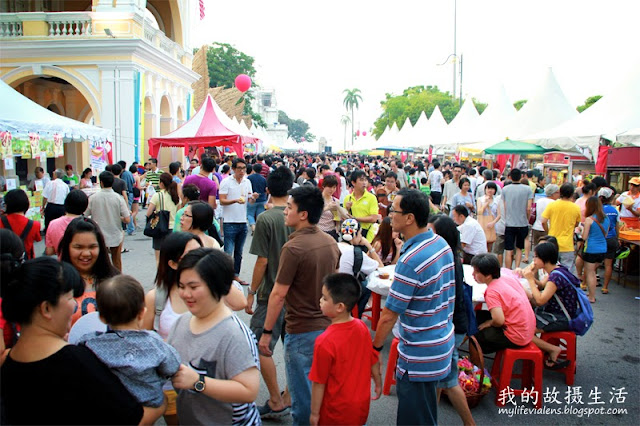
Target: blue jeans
x=130 y=227
x=417 y=402
x=234 y=236
x=298 y=356
x=253 y=210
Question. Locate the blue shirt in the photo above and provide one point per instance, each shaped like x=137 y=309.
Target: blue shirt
x=612 y=214
x=423 y=293
x=128 y=178
x=596 y=242
x=259 y=185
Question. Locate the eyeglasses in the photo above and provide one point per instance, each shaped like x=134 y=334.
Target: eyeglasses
x=241 y=168
x=397 y=211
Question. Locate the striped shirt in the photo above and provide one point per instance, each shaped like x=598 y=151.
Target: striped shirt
x=423 y=293
x=153 y=178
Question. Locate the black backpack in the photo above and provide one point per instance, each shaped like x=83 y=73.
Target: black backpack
x=365 y=293
x=25 y=233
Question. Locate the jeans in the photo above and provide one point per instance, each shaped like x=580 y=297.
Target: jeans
x=298 y=356
x=417 y=402
x=234 y=236
x=253 y=210
x=130 y=227
x=568 y=260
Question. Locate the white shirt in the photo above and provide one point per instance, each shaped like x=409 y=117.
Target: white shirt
x=236 y=212
x=436 y=177
x=56 y=192
x=472 y=234
x=347 y=258
x=541 y=204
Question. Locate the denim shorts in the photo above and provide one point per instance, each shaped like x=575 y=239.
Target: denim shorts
x=451 y=380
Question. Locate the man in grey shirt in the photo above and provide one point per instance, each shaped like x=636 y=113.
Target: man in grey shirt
x=452 y=187
x=517 y=202
x=396 y=168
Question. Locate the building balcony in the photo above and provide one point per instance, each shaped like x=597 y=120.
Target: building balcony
x=54 y=26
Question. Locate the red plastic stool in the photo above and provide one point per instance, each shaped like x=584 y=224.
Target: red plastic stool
x=373 y=313
x=501 y=372
x=566 y=339
x=390 y=375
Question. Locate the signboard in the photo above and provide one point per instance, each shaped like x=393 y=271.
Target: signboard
x=557 y=159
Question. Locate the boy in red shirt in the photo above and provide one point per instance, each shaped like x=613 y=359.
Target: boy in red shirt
x=340 y=373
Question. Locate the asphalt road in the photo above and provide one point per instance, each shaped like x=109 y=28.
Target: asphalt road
x=606 y=389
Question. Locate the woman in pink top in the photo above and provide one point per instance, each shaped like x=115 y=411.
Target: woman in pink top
x=510 y=321
x=588 y=190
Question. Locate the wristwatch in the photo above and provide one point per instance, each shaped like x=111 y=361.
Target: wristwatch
x=200 y=384
x=253 y=293
x=266 y=331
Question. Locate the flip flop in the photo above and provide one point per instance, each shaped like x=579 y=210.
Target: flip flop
x=125 y=250
x=266 y=412
x=557 y=364
x=605 y=291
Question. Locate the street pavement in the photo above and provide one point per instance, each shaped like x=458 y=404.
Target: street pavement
x=608 y=362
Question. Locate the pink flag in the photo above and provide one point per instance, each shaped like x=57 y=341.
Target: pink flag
x=201 y=10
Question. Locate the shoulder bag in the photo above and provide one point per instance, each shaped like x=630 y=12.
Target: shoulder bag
x=158 y=222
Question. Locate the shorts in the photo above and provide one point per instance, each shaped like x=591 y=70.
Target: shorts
x=257 y=324
x=548 y=321
x=517 y=235
x=492 y=339
x=537 y=235
x=218 y=211
x=592 y=257
x=612 y=247
x=498 y=245
x=171 y=402
x=451 y=381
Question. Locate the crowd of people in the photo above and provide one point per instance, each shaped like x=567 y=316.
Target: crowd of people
x=320 y=224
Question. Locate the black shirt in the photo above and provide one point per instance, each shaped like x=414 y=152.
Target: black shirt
x=70 y=387
x=119 y=185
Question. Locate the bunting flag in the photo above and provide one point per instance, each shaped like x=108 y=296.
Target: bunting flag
x=201 y=10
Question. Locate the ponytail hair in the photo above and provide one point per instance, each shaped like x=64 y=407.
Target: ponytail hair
x=12 y=253
x=170 y=186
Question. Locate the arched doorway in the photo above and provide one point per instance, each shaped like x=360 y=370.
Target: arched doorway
x=166 y=120
x=63 y=98
x=150 y=118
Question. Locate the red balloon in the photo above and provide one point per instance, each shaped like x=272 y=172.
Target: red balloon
x=357 y=132
x=243 y=82
x=364 y=133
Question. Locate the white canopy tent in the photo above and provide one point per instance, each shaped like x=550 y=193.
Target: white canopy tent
x=616 y=113
x=461 y=127
x=437 y=131
x=422 y=127
x=402 y=136
x=21 y=116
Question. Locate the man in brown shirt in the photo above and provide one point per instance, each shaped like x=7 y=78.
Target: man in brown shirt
x=305 y=260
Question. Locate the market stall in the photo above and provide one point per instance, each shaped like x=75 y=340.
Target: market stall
x=209 y=127
x=623 y=163
x=560 y=166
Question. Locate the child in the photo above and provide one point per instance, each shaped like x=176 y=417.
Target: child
x=424 y=187
x=343 y=359
x=140 y=359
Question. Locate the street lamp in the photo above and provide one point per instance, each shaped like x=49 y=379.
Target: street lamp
x=454 y=61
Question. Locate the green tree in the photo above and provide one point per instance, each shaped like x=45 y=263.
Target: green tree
x=519 y=104
x=298 y=129
x=352 y=99
x=345 y=120
x=590 y=101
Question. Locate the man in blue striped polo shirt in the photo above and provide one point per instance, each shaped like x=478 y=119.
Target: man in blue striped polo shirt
x=423 y=296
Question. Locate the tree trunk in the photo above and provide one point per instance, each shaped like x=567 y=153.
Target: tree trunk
x=345 y=136
x=352 y=133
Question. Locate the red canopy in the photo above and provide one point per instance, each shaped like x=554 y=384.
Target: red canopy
x=210 y=126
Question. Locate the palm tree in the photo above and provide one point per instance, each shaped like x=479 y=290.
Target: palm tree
x=352 y=98
x=345 y=120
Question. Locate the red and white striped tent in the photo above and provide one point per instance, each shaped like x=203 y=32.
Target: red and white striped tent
x=210 y=126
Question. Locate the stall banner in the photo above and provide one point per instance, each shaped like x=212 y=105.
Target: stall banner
x=101 y=155
x=7 y=148
x=58 y=150
x=34 y=144
x=21 y=148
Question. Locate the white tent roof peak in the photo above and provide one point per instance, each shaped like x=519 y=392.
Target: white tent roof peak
x=547 y=108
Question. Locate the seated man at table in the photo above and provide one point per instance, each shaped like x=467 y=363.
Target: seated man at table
x=510 y=321
x=472 y=237
x=357 y=258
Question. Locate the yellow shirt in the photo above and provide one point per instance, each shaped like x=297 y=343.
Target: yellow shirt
x=563 y=217
x=362 y=207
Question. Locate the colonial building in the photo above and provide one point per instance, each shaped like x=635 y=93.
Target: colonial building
x=121 y=64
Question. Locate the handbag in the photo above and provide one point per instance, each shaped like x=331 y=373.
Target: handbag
x=533 y=214
x=157 y=225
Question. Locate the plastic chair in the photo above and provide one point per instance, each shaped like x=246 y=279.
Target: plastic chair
x=567 y=341
x=502 y=372
x=390 y=375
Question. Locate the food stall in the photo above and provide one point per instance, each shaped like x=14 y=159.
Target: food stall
x=623 y=163
x=559 y=165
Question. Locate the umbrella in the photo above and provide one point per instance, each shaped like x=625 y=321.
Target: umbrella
x=508 y=146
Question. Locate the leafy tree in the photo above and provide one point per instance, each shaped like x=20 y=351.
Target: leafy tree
x=352 y=99
x=298 y=129
x=345 y=120
x=590 y=101
x=519 y=104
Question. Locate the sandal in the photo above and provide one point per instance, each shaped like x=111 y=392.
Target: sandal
x=605 y=291
x=266 y=412
x=557 y=364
